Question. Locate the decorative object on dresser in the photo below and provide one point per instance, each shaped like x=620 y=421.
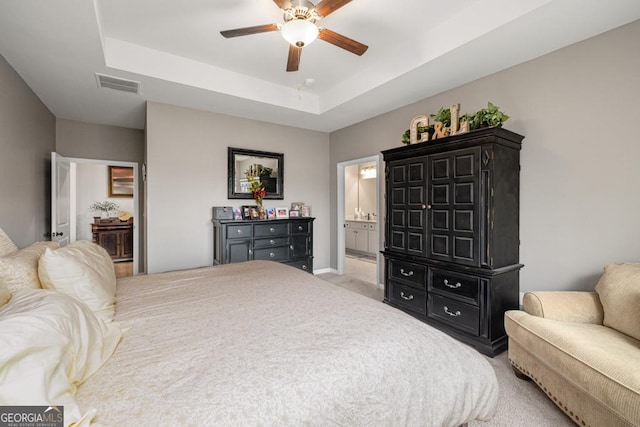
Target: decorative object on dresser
x=452 y=233
x=289 y=241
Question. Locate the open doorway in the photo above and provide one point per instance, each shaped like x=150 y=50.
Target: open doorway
x=358 y=218
x=100 y=182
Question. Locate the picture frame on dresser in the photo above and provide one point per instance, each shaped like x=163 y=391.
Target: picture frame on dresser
x=282 y=212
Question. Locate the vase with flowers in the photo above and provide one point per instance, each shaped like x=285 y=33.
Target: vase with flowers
x=256 y=187
x=105 y=208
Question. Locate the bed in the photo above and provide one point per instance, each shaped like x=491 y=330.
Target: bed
x=262 y=343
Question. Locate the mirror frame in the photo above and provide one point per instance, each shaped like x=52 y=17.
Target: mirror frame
x=231 y=173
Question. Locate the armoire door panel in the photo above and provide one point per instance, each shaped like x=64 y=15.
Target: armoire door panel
x=416 y=195
x=416 y=242
x=397 y=240
x=464 y=166
x=398 y=218
x=463 y=221
x=416 y=172
x=440 y=245
x=463 y=248
x=463 y=193
x=398 y=174
x=416 y=219
x=440 y=169
x=440 y=194
x=440 y=220
x=398 y=196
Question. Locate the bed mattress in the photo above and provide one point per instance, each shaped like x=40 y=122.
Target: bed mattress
x=262 y=343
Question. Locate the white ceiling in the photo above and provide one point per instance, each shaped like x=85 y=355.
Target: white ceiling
x=417 y=48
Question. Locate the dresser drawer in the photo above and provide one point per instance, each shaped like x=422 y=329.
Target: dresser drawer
x=273 y=254
x=454 y=313
x=299 y=227
x=411 y=274
x=239 y=231
x=270 y=243
x=408 y=297
x=303 y=264
x=456 y=285
x=275 y=229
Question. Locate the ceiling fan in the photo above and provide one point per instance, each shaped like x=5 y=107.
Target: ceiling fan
x=300 y=28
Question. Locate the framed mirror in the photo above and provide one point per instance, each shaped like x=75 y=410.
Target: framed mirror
x=265 y=166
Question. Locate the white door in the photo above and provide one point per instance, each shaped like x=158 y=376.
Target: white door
x=60 y=199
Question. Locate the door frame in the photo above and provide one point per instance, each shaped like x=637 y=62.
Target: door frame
x=340 y=217
x=136 y=196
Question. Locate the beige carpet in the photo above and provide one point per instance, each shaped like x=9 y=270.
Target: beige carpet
x=521 y=403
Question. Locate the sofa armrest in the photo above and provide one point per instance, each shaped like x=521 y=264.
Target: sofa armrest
x=583 y=307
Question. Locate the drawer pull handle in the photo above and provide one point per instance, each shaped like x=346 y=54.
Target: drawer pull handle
x=272 y=255
x=304 y=266
x=448 y=285
x=271 y=229
x=404 y=273
x=403 y=296
x=273 y=242
x=239 y=231
x=291 y=247
x=451 y=313
x=300 y=228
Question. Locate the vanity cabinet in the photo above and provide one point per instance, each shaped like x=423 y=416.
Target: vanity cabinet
x=361 y=236
x=452 y=233
x=288 y=241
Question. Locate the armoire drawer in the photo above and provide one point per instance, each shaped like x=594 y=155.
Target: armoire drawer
x=408 y=297
x=456 y=285
x=454 y=313
x=409 y=273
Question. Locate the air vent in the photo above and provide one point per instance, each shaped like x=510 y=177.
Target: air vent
x=116 y=83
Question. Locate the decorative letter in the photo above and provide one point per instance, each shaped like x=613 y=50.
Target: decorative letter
x=420 y=120
x=439 y=130
x=454 y=109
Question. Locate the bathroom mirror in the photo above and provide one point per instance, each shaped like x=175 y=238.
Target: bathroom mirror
x=265 y=166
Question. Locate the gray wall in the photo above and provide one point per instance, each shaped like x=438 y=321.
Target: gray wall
x=102 y=142
x=27 y=138
x=577 y=108
x=187 y=175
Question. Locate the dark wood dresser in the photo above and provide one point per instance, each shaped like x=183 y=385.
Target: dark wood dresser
x=452 y=233
x=288 y=241
x=115 y=236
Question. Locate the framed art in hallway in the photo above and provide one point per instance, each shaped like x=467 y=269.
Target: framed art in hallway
x=120 y=181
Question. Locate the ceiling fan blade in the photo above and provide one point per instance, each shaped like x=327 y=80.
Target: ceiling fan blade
x=293 y=62
x=283 y=4
x=249 y=30
x=325 y=7
x=342 y=41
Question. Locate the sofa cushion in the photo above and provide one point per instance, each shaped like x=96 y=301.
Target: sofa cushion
x=619 y=292
x=6 y=244
x=598 y=360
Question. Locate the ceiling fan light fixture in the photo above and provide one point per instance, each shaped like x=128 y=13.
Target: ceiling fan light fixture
x=299 y=32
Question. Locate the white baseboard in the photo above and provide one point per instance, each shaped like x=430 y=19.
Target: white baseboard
x=325 y=270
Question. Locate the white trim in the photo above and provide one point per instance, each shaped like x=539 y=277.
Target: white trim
x=323 y=271
x=136 y=196
x=340 y=210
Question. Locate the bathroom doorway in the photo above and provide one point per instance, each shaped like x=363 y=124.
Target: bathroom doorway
x=358 y=218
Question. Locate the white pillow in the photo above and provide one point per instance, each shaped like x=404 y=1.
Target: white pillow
x=50 y=344
x=85 y=271
x=6 y=244
x=19 y=270
x=5 y=295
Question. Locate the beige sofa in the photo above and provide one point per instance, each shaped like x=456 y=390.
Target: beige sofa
x=583 y=348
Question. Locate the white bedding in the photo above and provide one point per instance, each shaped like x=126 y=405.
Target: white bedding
x=260 y=343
